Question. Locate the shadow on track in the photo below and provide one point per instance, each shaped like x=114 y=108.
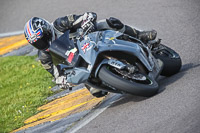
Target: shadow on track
x=163 y=82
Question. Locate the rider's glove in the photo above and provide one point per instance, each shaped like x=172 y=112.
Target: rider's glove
x=61 y=81
x=88 y=24
x=90 y=16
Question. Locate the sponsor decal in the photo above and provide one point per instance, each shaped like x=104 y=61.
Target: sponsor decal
x=70 y=54
x=70 y=57
x=111 y=38
x=70 y=51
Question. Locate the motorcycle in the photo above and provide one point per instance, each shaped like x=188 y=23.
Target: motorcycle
x=114 y=62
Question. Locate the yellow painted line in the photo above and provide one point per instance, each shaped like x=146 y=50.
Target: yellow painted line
x=75 y=102
x=57 y=108
x=8 y=44
x=65 y=99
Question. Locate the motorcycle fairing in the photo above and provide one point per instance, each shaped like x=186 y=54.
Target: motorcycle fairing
x=90 y=47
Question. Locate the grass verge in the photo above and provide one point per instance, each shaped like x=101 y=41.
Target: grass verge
x=24 y=85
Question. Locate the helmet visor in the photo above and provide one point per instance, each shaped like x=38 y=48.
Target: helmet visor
x=41 y=44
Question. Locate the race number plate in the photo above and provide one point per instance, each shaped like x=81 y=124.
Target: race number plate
x=116 y=64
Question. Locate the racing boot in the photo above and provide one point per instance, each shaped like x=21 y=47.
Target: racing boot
x=146 y=36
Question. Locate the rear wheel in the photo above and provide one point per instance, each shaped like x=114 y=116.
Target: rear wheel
x=171 y=60
x=139 y=84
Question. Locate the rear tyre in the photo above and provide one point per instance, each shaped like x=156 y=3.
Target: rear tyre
x=171 y=60
x=148 y=89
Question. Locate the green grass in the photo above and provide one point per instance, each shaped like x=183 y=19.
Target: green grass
x=24 y=85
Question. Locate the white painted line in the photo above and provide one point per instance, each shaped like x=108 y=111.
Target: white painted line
x=112 y=98
x=11 y=33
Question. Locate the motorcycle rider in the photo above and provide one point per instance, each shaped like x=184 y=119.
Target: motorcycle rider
x=40 y=34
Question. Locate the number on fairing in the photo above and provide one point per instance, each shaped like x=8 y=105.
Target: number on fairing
x=116 y=64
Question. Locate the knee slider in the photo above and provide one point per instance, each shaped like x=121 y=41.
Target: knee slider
x=115 y=23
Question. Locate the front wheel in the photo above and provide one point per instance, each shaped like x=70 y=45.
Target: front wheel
x=148 y=87
x=171 y=60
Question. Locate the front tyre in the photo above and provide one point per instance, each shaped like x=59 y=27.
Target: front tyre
x=112 y=79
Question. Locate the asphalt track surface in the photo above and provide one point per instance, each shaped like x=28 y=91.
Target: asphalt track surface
x=176 y=109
